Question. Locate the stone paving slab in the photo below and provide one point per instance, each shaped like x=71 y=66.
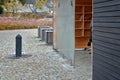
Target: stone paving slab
x=43 y=64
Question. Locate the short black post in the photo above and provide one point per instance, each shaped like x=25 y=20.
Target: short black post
x=38 y=32
x=18 y=45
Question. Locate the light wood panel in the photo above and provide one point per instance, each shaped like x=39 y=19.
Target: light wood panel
x=54 y=24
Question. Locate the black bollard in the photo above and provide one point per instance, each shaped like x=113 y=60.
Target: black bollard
x=38 y=32
x=18 y=45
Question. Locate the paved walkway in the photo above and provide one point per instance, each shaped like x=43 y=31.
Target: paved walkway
x=44 y=64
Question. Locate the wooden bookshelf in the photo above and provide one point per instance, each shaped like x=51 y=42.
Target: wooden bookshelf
x=83 y=17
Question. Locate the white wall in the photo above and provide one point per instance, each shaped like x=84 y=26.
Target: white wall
x=65 y=28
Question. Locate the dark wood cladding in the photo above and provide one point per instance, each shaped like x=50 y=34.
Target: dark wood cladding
x=106 y=39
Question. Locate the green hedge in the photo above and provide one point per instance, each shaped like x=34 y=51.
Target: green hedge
x=1 y=10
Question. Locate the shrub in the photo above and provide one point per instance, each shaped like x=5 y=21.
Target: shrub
x=14 y=23
x=1 y=10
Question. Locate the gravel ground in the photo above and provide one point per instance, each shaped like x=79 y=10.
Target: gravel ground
x=43 y=64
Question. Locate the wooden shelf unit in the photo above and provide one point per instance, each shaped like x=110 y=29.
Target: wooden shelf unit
x=83 y=17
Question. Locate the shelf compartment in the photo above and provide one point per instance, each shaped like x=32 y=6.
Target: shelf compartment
x=81 y=42
x=79 y=32
x=87 y=32
x=88 y=9
x=88 y=13
x=79 y=2
x=87 y=25
x=83 y=2
x=87 y=16
x=79 y=25
x=78 y=13
x=78 y=9
x=79 y=17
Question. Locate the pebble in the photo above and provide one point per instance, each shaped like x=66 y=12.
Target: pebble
x=44 y=64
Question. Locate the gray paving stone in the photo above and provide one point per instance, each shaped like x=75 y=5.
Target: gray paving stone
x=44 y=64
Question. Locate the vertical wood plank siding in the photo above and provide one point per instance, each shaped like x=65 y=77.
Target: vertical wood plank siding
x=106 y=39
